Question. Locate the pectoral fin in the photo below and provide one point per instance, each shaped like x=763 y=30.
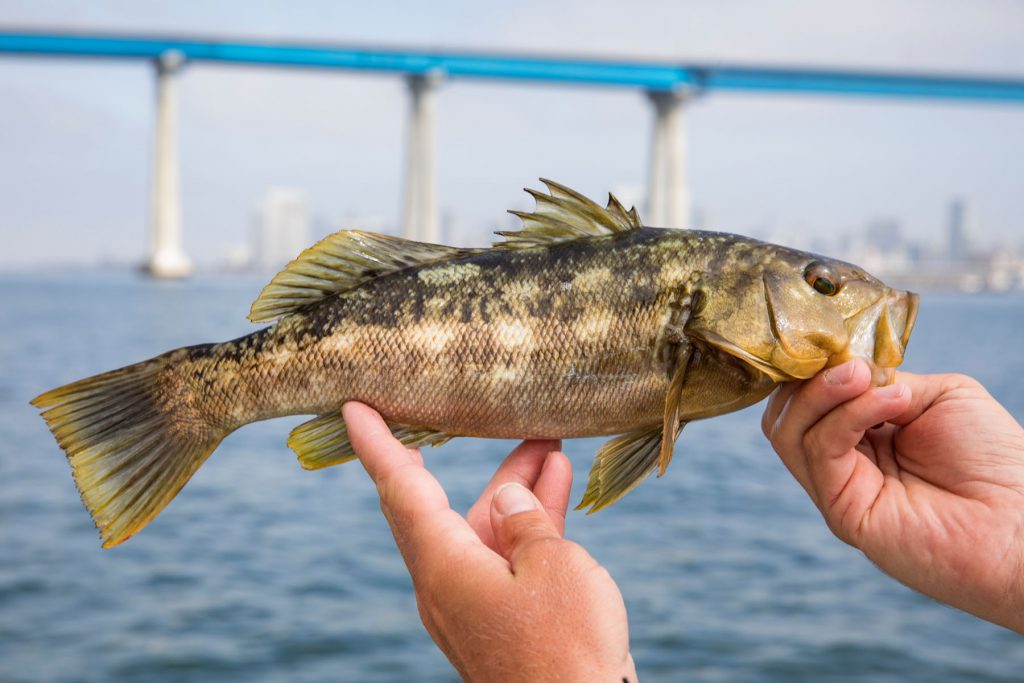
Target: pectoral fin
x=323 y=441
x=671 y=426
x=621 y=464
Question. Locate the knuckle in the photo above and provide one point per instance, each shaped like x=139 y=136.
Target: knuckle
x=842 y=526
x=386 y=487
x=536 y=546
x=767 y=424
x=569 y=556
x=836 y=526
x=392 y=485
x=578 y=556
x=806 y=442
x=964 y=382
x=548 y=555
x=811 y=442
x=573 y=552
x=775 y=434
x=533 y=525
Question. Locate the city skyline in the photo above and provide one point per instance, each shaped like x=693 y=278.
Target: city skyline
x=949 y=258
x=74 y=182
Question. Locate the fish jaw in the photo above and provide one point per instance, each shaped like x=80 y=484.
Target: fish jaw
x=879 y=334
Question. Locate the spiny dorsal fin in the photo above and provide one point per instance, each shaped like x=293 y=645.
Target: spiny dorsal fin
x=323 y=441
x=564 y=215
x=339 y=263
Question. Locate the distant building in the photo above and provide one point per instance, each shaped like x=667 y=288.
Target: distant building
x=238 y=258
x=284 y=227
x=880 y=247
x=957 y=240
x=884 y=234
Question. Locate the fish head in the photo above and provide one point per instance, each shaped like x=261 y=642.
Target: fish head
x=790 y=314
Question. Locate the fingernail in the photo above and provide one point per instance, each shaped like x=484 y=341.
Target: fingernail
x=893 y=391
x=840 y=374
x=512 y=498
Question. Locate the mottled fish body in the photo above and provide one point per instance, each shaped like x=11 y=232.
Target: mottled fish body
x=584 y=323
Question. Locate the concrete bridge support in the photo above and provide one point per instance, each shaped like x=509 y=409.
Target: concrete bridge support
x=167 y=258
x=668 y=196
x=419 y=215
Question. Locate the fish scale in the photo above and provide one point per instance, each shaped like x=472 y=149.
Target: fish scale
x=583 y=323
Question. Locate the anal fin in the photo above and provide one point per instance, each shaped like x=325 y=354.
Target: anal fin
x=323 y=441
x=621 y=464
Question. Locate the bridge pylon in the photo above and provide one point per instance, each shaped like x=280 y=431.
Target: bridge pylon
x=668 y=193
x=419 y=212
x=167 y=258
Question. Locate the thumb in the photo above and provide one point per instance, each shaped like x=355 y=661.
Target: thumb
x=519 y=520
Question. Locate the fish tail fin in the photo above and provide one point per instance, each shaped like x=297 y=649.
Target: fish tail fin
x=134 y=437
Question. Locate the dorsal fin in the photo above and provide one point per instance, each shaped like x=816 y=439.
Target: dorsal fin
x=564 y=215
x=340 y=262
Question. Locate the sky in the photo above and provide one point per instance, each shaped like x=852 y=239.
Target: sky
x=76 y=136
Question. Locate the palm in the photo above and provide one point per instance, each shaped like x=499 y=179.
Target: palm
x=946 y=510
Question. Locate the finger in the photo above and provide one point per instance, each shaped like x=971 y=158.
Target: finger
x=522 y=466
x=413 y=501
x=769 y=424
x=776 y=402
x=371 y=438
x=927 y=389
x=807 y=404
x=845 y=482
x=519 y=520
x=553 y=487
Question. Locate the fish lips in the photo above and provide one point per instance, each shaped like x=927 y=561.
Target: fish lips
x=879 y=334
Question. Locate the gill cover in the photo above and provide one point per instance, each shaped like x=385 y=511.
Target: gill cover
x=770 y=320
x=806 y=325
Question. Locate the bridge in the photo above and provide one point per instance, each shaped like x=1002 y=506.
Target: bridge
x=667 y=86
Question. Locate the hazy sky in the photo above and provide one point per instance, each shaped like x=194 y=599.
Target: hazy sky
x=75 y=136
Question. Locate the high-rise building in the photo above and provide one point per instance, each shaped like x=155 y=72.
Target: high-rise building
x=957 y=240
x=284 y=227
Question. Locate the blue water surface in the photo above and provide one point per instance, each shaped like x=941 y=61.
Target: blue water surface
x=260 y=571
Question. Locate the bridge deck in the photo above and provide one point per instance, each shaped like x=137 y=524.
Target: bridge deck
x=646 y=75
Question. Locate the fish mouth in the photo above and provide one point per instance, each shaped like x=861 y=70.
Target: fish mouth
x=879 y=334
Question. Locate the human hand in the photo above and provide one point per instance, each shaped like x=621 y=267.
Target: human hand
x=501 y=592
x=934 y=496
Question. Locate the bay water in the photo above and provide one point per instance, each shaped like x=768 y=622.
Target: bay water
x=260 y=571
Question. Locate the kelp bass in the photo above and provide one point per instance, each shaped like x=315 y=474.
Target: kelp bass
x=583 y=323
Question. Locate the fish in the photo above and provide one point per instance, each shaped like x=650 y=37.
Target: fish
x=582 y=323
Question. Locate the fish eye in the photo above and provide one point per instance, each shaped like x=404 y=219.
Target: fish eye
x=824 y=281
